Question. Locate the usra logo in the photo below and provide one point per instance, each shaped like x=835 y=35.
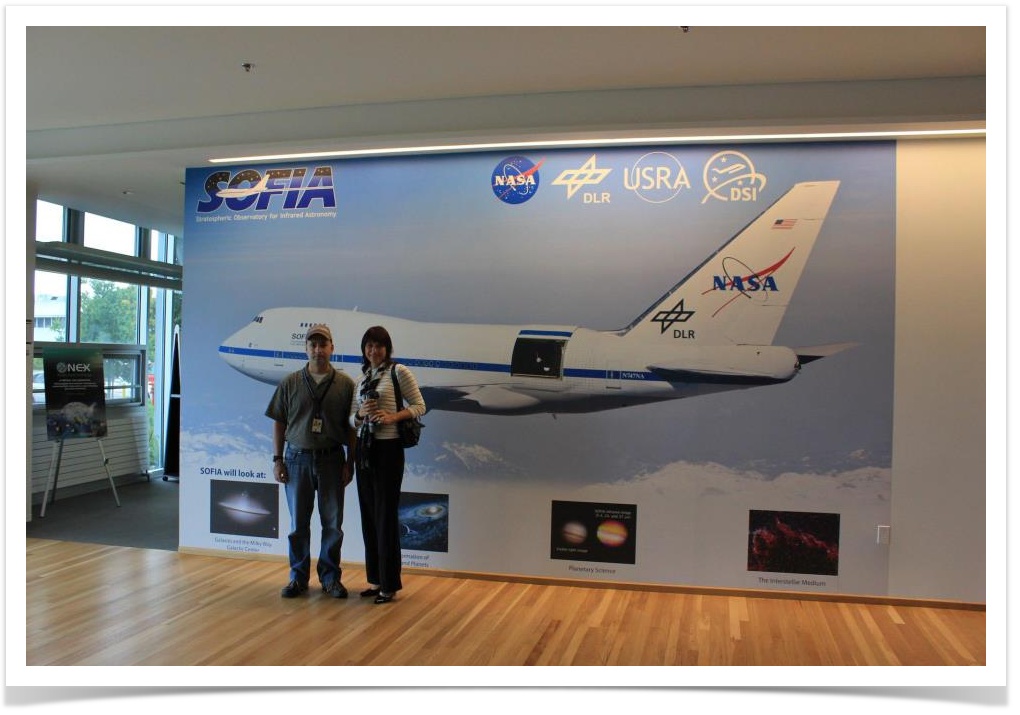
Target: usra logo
x=296 y=188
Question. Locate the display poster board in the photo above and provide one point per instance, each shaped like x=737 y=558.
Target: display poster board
x=700 y=335
x=75 y=393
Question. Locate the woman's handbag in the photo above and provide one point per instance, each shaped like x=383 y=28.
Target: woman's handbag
x=409 y=430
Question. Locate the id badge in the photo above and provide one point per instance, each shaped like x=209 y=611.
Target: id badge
x=316 y=425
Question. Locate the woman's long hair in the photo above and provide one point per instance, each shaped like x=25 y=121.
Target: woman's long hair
x=376 y=334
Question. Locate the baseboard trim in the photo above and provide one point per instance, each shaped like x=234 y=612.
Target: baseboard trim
x=634 y=586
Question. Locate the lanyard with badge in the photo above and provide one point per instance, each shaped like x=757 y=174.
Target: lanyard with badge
x=317 y=414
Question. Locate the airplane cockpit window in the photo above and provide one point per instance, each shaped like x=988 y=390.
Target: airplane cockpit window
x=537 y=358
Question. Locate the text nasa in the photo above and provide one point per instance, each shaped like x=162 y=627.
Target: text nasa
x=298 y=188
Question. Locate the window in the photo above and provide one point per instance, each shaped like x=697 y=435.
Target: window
x=50 y=314
x=128 y=307
x=109 y=235
x=49 y=222
x=109 y=312
x=122 y=376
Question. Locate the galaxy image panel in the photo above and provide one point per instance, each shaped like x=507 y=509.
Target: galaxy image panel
x=424 y=521
x=244 y=508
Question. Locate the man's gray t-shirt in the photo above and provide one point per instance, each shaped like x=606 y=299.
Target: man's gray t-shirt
x=294 y=403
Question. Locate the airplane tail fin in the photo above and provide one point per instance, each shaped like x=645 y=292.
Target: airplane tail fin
x=740 y=293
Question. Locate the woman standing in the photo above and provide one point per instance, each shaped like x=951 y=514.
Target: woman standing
x=380 y=458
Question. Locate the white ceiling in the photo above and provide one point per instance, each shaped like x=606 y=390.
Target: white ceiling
x=127 y=109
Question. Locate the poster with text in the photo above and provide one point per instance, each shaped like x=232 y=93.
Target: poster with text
x=75 y=393
x=697 y=331
x=581 y=531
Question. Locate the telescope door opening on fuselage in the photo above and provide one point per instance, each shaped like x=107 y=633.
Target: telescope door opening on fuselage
x=538 y=358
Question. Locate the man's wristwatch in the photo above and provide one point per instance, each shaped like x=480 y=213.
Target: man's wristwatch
x=277 y=458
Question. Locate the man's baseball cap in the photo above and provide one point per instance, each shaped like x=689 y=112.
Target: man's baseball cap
x=319 y=329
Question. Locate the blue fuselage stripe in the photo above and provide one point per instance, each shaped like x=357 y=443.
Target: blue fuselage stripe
x=431 y=363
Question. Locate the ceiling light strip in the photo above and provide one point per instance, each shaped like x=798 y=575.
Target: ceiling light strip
x=562 y=143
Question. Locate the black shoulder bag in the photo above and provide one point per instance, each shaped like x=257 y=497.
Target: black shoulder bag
x=409 y=430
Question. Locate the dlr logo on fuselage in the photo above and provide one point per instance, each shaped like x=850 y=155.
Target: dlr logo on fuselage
x=291 y=183
x=750 y=283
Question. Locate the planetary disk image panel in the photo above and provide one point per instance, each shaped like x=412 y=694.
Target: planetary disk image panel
x=244 y=508
x=424 y=521
x=588 y=531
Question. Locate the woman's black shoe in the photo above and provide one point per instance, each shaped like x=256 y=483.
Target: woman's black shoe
x=370 y=592
x=383 y=598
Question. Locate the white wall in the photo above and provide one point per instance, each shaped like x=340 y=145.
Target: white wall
x=939 y=461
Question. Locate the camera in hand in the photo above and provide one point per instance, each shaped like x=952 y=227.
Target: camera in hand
x=369 y=392
x=370 y=395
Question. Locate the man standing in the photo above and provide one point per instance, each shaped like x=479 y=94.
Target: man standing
x=310 y=410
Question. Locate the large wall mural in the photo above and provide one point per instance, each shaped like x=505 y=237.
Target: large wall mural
x=701 y=337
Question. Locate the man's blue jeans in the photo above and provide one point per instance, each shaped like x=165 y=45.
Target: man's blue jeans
x=311 y=478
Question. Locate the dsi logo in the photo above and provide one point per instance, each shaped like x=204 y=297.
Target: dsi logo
x=248 y=188
x=731 y=176
x=515 y=179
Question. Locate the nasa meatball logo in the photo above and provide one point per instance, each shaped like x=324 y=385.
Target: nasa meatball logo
x=515 y=179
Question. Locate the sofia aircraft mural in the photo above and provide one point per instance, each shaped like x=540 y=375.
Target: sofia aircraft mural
x=712 y=332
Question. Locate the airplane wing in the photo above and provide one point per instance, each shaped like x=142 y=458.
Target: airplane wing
x=488 y=397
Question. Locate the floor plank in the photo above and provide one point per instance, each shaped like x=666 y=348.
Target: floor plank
x=90 y=604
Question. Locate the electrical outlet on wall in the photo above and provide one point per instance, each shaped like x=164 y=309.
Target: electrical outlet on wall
x=882 y=534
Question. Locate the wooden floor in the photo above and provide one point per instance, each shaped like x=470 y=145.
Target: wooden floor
x=90 y=604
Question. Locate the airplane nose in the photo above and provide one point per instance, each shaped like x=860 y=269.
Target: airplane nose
x=229 y=350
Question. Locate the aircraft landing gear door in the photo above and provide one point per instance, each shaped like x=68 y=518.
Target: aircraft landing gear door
x=613 y=377
x=538 y=357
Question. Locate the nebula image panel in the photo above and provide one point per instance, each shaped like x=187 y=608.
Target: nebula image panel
x=587 y=531
x=793 y=542
x=424 y=521
x=244 y=508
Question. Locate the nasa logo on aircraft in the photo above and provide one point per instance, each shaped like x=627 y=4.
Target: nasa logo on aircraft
x=587 y=174
x=656 y=177
x=515 y=179
x=731 y=176
x=292 y=189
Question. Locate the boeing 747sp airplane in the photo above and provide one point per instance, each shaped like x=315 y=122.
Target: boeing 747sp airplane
x=244 y=193
x=711 y=332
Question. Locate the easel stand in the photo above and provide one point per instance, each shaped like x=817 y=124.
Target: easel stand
x=51 y=481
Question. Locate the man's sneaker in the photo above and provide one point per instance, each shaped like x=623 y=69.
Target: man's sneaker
x=335 y=589
x=293 y=589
